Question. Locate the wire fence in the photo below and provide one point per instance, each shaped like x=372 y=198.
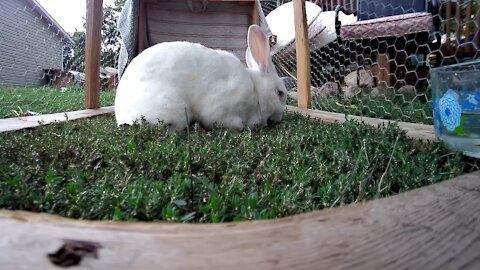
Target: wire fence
x=373 y=63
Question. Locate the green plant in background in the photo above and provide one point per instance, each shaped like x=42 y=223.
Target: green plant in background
x=92 y=169
x=18 y=101
x=110 y=49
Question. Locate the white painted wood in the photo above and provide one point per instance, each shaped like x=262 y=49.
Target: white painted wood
x=16 y=123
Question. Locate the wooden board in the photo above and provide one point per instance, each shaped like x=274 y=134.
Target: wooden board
x=424 y=133
x=16 y=123
x=436 y=227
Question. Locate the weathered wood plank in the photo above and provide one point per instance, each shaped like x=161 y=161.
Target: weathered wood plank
x=429 y=228
x=303 y=55
x=92 y=53
x=383 y=62
x=16 y=123
x=255 y=16
x=425 y=133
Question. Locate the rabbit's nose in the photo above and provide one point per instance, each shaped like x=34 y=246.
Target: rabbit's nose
x=272 y=122
x=275 y=118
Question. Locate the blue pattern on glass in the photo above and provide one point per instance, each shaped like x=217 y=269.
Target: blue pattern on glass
x=471 y=102
x=450 y=110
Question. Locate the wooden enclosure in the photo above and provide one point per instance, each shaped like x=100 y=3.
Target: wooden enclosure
x=436 y=227
x=221 y=25
x=157 y=7
x=167 y=19
x=429 y=228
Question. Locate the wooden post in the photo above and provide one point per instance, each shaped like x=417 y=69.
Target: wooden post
x=255 y=15
x=448 y=28
x=92 y=54
x=303 y=55
x=383 y=62
x=468 y=16
x=458 y=22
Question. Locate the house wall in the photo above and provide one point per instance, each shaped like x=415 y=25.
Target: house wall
x=27 y=45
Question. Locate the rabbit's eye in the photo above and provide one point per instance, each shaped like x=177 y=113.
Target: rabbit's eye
x=280 y=93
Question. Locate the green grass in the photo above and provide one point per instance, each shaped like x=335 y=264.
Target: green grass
x=399 y=107
x=45 y=100
x=15 y=101
x=92 y=169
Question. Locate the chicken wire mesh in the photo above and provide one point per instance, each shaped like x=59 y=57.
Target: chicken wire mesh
x=42 y=65
x=376 y=62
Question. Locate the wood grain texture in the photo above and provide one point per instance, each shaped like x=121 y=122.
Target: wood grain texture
x=436 y=227
x=92 y=53
x=383 y=62
x=17 y=123
x=448 y=27
x=255 y=14
x=303 y=55
x=458 y=22
x=424 y=133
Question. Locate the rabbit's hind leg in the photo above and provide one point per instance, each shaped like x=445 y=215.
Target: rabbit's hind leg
x=175 y=116
x=233 y=122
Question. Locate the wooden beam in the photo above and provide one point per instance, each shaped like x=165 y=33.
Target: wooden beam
x=458 y=33
x=429 y=228
x=448 y=30
x=469 y=49
x=92 y=53
x=17 y=123
x=383 y=62
x=303 y=55
x=255 y=14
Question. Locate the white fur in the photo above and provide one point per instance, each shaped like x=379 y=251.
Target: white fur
x=180 y=82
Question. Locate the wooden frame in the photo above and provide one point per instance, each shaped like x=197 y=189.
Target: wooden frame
x=429 y=228
x=432 y=227
x=93 y=42
x=142 y=29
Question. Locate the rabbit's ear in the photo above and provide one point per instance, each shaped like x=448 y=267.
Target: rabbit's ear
x=258 y=51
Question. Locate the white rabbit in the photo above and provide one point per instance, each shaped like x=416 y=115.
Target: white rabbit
x=178 y=83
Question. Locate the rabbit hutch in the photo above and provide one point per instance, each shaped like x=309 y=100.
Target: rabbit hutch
x=433 y=227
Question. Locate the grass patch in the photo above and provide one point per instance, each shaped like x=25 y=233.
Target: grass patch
x=45 y=100
x=401 y=107
x=414 y=111
x=91 y=169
